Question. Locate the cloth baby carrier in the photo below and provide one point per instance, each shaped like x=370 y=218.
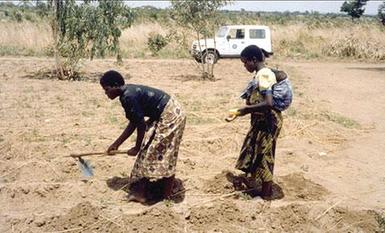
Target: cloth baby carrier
x=282 y=91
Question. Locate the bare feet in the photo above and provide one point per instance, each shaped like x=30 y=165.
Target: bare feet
x=136 y=197
x=138 y=191
x=241 y=181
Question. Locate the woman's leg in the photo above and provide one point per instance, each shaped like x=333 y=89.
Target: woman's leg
x=267 y=186
x=264 y=165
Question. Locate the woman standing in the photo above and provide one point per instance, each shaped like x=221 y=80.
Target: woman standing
x=258 y=150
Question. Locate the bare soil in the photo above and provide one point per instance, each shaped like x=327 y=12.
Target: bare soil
x=329 y=171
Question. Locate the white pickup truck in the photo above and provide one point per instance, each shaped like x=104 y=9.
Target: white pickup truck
x=230 y=41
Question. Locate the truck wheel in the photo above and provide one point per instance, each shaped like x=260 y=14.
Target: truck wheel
x=210 y=57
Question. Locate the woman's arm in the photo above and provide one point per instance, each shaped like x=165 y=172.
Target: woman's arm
x=141 y=129
x=260 y=107
x=123 y=137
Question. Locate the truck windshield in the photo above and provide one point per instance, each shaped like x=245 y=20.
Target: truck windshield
x=221 y=32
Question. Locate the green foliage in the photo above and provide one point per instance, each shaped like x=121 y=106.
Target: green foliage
x=354 y=8
x=156 y=42
x=87 y=30
x=17 y=15
x=339 y=119
x=203 y=18
x=23 y=11
x=146 y=14
x=381 y=13
x=196 y=14
x=42 y=9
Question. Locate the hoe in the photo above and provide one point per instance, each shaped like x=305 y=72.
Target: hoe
x=85 y=165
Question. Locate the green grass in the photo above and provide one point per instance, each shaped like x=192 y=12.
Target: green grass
x=245 y=196
x=339 y=119
x=291 y=111
x=113 y=120
x=34 y=136
x=381 y=222
x=88 y=113
x=173 y=53
x=9 y=50
x=168 y=203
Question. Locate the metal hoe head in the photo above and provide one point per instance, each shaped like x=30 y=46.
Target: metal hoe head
x=85 y=167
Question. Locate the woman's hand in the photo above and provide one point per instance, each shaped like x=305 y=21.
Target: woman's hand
x=233 y=113
x=242 y=111
x=112 y=148
x=133 y=151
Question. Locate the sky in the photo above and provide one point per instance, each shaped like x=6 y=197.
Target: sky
x=320 y=6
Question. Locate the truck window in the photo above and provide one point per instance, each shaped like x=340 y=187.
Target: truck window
x=237 y=33
x=222 y=32
x=257 y=34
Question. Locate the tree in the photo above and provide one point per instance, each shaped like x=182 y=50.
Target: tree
x=354 y=8
x=381 y=13
x=202 y=17
x=42 y=9
x=86 y=29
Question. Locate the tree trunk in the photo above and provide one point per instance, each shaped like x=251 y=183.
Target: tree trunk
x=215 y=48
x=55 y=33
x=200 y=50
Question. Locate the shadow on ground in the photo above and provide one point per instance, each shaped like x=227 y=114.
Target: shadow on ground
x=155 y=189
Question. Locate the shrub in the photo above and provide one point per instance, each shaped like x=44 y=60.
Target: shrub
x=17 y=15
x=156 y=42
x=86 y=30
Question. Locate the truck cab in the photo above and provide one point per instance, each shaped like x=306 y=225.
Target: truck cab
x=229 y=41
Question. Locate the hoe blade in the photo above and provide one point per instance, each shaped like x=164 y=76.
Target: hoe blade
x=85 y=167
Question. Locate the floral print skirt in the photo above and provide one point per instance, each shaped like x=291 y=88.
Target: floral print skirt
x=159 y=151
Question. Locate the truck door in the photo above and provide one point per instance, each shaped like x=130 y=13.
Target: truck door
x=236 y=41
x=260 y=38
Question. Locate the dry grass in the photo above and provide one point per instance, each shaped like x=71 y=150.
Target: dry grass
x=356 y=40
x=134 y=40
x=26 y=35
x=366 y=41
x=138 y=34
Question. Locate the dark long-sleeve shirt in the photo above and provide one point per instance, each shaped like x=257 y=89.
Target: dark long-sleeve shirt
x=141 y=101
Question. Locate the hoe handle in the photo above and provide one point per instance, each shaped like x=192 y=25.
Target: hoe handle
x=97 y=153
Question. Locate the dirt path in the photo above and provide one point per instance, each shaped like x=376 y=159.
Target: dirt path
x=329 y=168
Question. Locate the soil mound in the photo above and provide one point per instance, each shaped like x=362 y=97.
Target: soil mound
x=157 y=219
x=84 y=217
x=295 y=186
x=219 y=217
x=220 y=184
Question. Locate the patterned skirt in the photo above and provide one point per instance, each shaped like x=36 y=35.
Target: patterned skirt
x=258 y=149
x=159 y=151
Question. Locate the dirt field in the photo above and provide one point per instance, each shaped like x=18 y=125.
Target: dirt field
x=329 y=171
